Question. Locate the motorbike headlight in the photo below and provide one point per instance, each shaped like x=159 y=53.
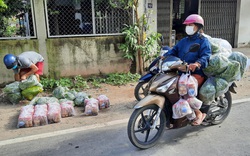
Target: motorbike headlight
x=164 y=88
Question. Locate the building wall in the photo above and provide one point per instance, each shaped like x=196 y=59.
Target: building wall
x=65 y=57
x=68 y=57
x=244 y=23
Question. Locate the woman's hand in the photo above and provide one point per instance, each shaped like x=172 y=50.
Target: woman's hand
x=192 y=67
x=23 y=77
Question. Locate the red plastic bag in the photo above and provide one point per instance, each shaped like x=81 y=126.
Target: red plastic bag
x=40 y=115
x=103 y=102
x=54 y=112
x=67 y=109
x=25 y=116
x=91 y=107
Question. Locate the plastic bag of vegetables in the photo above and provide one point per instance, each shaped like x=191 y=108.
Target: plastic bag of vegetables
x=29 y=82
x=207 y=91
x=217 y=64
x=79 y=100
x=31 y=92
x=12 y=88
x=232 y=72
x=221 y=86
x=241 y=58
x=59 y=92
x=14 y=98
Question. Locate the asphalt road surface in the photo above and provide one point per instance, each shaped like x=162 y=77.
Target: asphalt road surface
x=232 y=138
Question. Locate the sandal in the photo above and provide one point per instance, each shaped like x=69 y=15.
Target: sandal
x=198 y=121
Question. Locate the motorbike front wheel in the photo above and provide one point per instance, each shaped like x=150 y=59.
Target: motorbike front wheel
x=141 y=90
x=141 y=132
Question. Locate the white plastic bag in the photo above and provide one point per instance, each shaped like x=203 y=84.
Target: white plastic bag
x=182 y=84
x=192 y=86
x=181 y=108
x=194 y=102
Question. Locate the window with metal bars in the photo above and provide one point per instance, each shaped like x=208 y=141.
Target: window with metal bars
x=17 y=20
x=85 y=18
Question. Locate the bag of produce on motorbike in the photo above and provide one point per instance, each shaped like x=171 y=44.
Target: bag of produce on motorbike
x=79 y=100
x=181 y=108
x=29 y=82
x=217 y=64
x=103 y=101
x=91 y=107
x=26 y=116
x=67 y=109
x=40 y=115
x=207 y=91
x=54 y=112
x=241 y=58
x=221 y=86
x=192 y=86
x=182 y=84
x=232 y=72
x=31 y=92
x=194 y=102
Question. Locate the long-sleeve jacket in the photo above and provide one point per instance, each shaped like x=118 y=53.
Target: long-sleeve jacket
x=201 y=56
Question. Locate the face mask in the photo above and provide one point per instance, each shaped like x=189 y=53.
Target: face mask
x=190 y=30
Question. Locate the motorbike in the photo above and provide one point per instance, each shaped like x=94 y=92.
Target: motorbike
x=141 y=89
x=153 y=114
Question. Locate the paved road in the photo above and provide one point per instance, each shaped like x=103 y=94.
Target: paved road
x=230 y=138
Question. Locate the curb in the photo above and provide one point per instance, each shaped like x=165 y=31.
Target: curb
x=241 y=101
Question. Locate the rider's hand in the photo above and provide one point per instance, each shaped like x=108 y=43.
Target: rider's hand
x=193 y=66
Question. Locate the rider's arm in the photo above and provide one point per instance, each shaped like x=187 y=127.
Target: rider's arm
x=204 y=54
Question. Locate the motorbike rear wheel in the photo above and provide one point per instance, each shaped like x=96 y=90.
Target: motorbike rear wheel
x=141 y=90
x=140 y=130
x=226 y=105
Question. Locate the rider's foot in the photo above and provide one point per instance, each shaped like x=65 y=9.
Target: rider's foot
x=199 y=120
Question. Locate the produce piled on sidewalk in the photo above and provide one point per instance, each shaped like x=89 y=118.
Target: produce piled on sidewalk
x=47 y=110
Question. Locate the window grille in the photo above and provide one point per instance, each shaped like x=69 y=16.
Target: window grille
x=16 y=21
x=85 y=18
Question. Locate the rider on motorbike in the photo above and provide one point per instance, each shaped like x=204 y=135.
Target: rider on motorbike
x=196 y=61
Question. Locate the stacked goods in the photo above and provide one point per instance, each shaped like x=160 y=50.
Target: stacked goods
x=91 y=106
x=40 y=115
x=30 y=87
x=26 y=116
x=26 y=89
x=65 y=93
x=67 y=109
x=225 y=67
x=103 y=101
x=54 y=112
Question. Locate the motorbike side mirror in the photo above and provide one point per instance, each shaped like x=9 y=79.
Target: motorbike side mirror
x=195 y=47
